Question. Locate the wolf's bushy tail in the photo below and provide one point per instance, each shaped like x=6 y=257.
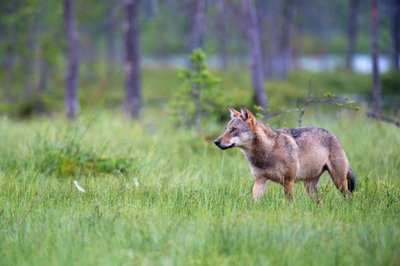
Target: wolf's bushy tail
x=351 y=180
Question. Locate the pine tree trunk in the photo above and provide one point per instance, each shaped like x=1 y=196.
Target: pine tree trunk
x=376 y=94
x=272 y=40
x=352 y=32
x=196 y=36
x=285 y=47
x=257 y=68
x=71 y=80
x=133 y=96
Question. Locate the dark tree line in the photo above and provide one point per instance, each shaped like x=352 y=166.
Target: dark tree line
x=269 y=32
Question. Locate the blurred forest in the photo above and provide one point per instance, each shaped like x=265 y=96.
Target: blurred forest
x=70 y=55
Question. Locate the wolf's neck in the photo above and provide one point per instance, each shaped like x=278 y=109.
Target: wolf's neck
x=259 y=151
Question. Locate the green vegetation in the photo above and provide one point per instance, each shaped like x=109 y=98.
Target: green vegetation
x=107 y=190
x=161 y=84
x=199 y=98
x=192 y=204
x=156 y=194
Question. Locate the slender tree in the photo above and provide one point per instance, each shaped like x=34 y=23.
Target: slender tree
x=352 y=32
x=277 y=23
x=71 y=79
x=285 y=46
x=376 y=93
x=197 y=13
x=396 y=33
x=257 y=68
x=270 y=24
x=133 y=94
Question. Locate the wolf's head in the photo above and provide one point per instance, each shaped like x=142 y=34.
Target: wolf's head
x=239 y=131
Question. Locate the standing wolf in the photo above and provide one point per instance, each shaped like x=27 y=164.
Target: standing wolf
x=287 y=155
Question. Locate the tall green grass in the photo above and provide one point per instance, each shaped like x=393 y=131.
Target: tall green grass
x=181 y=201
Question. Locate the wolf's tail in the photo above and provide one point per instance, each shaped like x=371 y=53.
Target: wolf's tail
x=351 y=180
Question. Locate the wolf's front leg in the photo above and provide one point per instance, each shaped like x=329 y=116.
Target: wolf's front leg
x=260 y=184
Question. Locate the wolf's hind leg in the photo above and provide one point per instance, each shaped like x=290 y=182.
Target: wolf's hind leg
x=339 y=178
x=338 y=167
x=312 y=188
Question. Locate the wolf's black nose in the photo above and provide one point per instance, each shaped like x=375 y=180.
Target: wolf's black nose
x=217 y=142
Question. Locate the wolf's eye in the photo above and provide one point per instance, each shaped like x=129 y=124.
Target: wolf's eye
x=232 y=129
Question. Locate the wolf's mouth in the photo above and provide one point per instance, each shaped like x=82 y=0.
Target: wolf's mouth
x=226 y=147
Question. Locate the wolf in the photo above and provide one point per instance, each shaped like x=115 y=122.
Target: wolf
x=287 y=155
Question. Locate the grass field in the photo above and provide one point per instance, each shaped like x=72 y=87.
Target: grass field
x=157 y=195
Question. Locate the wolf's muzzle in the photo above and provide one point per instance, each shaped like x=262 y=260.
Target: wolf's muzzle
x=221 y=146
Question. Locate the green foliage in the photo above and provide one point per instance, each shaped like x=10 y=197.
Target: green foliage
x=337 y=82
x=191 y=204
x=200 y=96
x=29 y=107
x=68 y=157
x=391 y=83
x=160 y=87
x=258 y=112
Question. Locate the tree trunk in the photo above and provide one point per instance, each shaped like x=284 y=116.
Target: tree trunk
x=196 y=36
x=352 y=32
x=272 y=37
x=71 y=80
x=285 y=46
x=376 y=94
x=221 y=33
x=133 y=97
x=257 y=69
x=396 y=33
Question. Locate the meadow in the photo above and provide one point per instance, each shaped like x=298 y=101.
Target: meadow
x=161 y=195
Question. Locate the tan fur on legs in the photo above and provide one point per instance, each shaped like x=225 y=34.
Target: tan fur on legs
x=288 y=186
x=338 y=171
x=341 y=184
x=259 y=187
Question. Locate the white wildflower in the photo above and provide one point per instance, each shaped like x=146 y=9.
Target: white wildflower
x=78 y=186
x=136 y=182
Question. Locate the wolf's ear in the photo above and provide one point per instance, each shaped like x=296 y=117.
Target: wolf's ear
x=233 y=112
x=248 y=116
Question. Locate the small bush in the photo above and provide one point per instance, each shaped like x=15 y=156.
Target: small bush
x=68 y=158
x=200 y=96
